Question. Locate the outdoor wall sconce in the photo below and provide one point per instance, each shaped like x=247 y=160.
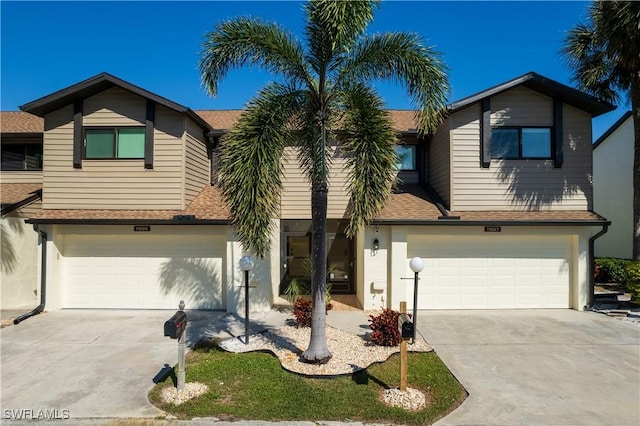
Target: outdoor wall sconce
x=376 y=245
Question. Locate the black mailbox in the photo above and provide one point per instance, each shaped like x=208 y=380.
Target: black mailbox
x=405 y=325
x=176 y=325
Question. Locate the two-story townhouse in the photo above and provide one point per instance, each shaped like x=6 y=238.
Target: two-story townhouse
x=515 y=226
x=498 y=202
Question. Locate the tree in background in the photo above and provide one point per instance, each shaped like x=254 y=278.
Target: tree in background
x=604 y=55
x=322 y=99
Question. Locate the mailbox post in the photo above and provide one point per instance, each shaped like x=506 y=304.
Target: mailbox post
x=175 y=328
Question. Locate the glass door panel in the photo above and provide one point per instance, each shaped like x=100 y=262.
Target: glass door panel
x=339 y=263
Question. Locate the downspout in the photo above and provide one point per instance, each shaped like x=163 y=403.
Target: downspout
x=592 y=262
x=43 y=279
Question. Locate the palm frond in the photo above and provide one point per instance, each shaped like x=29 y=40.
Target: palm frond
x=248 y=41
x=333 y=26
x=404 y=59
x=250 y=163
x=369 y=144
x=604 y=53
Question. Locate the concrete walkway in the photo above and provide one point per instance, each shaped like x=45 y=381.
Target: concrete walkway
x=539 y=367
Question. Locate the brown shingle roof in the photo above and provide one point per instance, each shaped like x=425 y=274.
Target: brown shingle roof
x=403 y=120
x=220 y=119
x=409 y=203
x=540 y=215
x=207 y=205
x=12 y=193
x=20 y=122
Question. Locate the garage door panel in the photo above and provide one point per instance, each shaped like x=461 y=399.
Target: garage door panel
x=154 y=272
x=497 y=272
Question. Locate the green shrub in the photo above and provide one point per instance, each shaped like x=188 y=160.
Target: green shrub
x=302 y=312
x=610 y=270
x=385 y=328
x=632 y=279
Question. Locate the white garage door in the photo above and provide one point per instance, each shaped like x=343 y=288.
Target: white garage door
x=143 y=272
x=492 y=272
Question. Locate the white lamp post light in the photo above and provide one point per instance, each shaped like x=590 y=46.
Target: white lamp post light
x=246 y=264
x=417 y=265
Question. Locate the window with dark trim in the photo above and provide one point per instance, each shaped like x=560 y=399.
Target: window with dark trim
x=516 y=143
x=406 y=157
x=108 y=143
x=21 y=156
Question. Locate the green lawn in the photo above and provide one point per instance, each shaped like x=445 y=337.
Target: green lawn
x=254 y=386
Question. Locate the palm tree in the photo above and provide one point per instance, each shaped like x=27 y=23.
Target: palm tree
x=322 y=98
x=604 y=55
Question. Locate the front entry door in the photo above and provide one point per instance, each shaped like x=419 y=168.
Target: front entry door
x=296 y=258
x=340 y=264
x=296 y=253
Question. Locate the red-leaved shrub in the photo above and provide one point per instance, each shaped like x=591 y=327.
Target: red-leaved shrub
x=385 y=328
x=302 y=311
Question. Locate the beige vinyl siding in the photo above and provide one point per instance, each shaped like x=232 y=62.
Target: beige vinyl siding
x=114 y=106
x=296 y=194
x=113 y=184
x=440 y=162
x=338 y=196
x=196 y=162
x=521 y=184
x=521 y=107
x=21 y=176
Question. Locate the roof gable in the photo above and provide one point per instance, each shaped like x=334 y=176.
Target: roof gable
x=612 y=129
x=95 y=85
x=543 y=85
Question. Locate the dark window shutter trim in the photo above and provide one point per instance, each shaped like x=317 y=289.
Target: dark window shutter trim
x=77 y=134
x=485 y=134
x=148 y=135
x=558 y=134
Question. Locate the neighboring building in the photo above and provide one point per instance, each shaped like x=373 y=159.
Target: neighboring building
x=613 y=187
x=498 y=202
x=20 y=195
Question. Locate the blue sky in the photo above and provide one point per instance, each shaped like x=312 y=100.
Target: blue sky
x=47 y=46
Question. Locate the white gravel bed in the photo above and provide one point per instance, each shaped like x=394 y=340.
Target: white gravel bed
x=191 y=390
x=350 y=352
x=411 y=399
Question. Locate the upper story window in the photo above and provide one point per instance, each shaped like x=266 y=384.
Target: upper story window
x=406 y=157
x=521 y=143
x=21 y=156
x=114 y=143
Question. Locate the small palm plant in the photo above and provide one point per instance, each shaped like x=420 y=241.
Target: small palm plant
x=302 y=287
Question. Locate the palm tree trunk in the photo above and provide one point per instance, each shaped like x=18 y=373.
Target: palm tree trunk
x=318 y=351
x=635 y=112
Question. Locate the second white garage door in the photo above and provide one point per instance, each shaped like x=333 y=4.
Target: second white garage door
x=492 y=272
x=143 y=272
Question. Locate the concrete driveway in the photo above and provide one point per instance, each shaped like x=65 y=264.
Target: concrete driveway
x=92 y=363
x=547 y=367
